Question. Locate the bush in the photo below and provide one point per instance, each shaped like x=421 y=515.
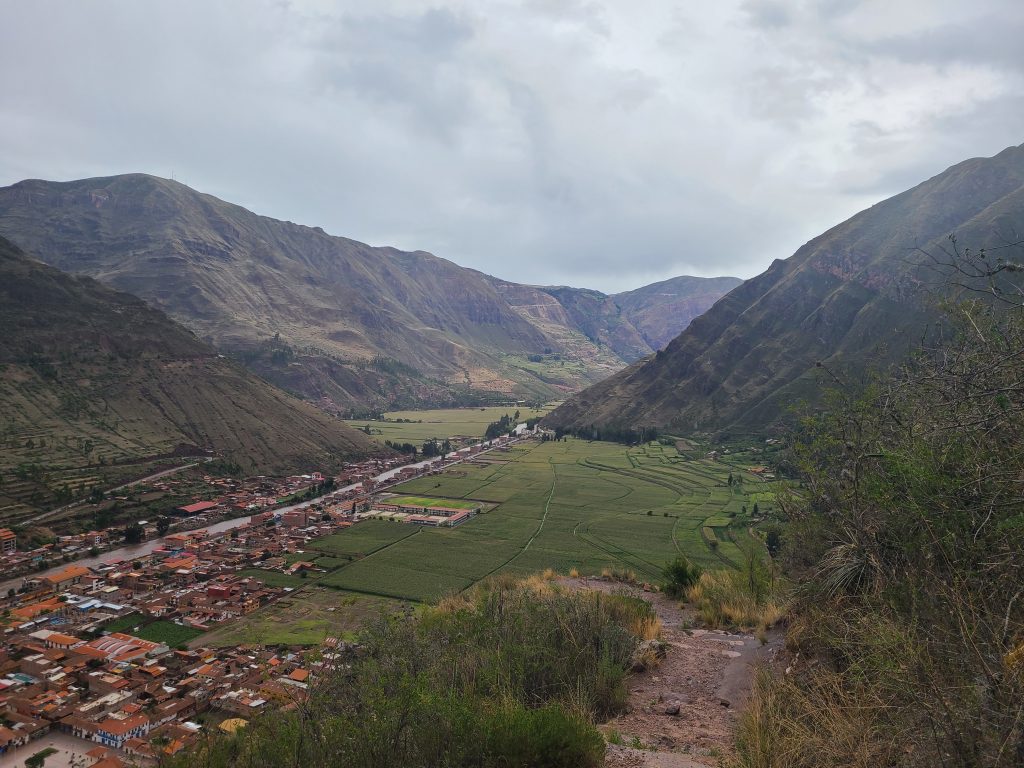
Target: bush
x=679 y=576
x=509 y=675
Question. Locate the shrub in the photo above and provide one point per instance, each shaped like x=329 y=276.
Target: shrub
x=679 y=576
x=508 y=675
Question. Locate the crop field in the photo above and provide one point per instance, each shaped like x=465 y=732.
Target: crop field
x=442 y=423
x=427 y=501
x=305 y=617
x=562 y=505
x=168 y=633
x=273 y=578
x=363 y=539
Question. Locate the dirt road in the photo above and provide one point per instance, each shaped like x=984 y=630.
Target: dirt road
x=682 y=713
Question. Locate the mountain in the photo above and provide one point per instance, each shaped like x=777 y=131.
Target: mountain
x=342 y=323
x=91 y=378
x=661 y=311
x=851 y=298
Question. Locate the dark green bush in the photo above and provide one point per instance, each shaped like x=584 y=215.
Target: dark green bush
x=679 y=576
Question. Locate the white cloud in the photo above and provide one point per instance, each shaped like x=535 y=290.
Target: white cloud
x=592 y=143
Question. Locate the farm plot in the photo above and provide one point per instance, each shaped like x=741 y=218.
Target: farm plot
x=418 y=426
x=566 y=504
x=305 y=617
x=362 y=539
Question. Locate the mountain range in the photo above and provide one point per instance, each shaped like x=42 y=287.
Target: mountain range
x=345 y=325
x=91 y=378
x=856 y=297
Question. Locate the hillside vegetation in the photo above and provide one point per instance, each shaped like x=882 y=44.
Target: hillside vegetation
x=92 y=379
x=850 y=298
x=907 y=538
x=344 y=324
x=513 y=675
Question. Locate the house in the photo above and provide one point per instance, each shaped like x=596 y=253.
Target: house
x=65 y=578
x=117 y=729
x=8 y=541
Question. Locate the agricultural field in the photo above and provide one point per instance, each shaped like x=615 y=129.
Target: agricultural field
x=426 y=501
x=563 y=505
x=445 y=423
x=273 y=578
x=168 y=633
x=363 y=539
x=305 y=617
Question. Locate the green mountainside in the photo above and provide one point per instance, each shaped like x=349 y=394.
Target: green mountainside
x=341 y=323
x=852 y=298
x=91 y=378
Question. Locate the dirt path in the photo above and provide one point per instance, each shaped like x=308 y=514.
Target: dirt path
x=682 y=713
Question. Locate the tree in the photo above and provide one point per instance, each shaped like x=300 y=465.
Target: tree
x=134 y=533
x=163 y=525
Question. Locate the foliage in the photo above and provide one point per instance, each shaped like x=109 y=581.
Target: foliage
x=908 y=533
x=509 y=675
x=679 y=576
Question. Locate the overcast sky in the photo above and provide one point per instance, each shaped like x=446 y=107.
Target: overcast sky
x=601 y=144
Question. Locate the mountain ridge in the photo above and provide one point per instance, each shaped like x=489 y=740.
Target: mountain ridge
x=849 y=298
x=342 y=323
x=93 y=377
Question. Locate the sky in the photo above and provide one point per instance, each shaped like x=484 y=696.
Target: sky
x=591 y=143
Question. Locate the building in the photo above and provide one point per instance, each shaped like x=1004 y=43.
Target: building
x=65 y=578
x=115 y=730
x=199 y=506
x=8 y=541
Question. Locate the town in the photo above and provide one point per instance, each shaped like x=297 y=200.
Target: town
x=97 y=655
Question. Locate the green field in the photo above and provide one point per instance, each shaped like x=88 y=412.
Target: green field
x=427 y=501
x=442 y=423
x=274 y=578
x=570 y=504
x=168 y=633
x=304 y=617
x=363 y=539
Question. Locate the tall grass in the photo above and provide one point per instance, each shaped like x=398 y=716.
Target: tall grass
x=822 y=722
x=725 y=599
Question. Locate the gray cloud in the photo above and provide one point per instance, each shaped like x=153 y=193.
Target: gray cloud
x=581 y=141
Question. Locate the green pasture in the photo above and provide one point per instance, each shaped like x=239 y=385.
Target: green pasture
x=567 y=504
x=445 y=423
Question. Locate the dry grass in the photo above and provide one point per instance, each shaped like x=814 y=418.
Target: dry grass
x=820 y=723
x=723 y=599
x=574 y=573
x=623 y=575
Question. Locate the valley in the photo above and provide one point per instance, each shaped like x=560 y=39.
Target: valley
x=350 y=327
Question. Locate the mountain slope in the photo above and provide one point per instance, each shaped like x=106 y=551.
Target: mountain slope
x=849 y=298
x=336 y=320
x=661 y=311
x=91 y=377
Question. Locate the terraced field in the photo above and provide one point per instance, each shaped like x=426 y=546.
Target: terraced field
x=570 y=504
x=442 y=423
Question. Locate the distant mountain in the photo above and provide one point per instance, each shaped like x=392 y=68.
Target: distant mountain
x=661 y=311
x=342 y=323
x=850 y=298
x=91 y=377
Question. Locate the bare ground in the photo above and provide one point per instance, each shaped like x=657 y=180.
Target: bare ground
x=682 y=713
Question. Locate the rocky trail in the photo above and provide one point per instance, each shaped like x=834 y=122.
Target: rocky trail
x=682 y=712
